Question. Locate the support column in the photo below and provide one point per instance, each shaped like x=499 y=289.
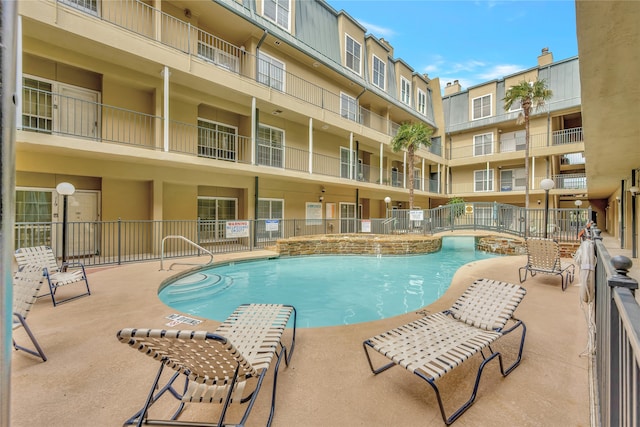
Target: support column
x=165 y=108
x=310 y=145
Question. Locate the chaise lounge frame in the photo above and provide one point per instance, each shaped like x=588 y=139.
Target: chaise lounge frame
x=26 y=285
x=216 y=366
x=543 y=256
x=435 y=344
x=57 y=276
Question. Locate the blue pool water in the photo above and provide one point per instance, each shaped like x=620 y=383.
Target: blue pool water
x=326 y=290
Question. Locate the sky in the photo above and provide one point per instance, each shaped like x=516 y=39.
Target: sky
x=469 y=41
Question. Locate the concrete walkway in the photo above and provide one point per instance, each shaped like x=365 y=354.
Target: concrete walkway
x=91 y=379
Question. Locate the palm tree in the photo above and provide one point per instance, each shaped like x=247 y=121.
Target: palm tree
x=410 y=137
x=529 y=95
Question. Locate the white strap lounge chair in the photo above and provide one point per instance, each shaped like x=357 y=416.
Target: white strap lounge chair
x=435 y=344
x=543 y=256
x=223 y=367
x=26 y=285
x=56 y=276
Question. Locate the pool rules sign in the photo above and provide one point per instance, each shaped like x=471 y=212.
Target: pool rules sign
x=234 y=229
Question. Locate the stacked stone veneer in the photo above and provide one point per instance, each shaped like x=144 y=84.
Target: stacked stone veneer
x=374 y=244
x=510 y=246
x=360 y=244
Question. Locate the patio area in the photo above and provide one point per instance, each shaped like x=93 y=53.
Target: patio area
x=92 y=379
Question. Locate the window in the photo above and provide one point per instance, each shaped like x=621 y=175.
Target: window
x=270 y=147
x=37 y=105
x=50 y=106
x=278 y=11
x=216 y=141
x=348 y=107
x=88 y=6
x=353 y=54
x=378 y=72
x=219 y=53
x=422 y=102
x=483 y=144
x=405 y=91
x=269 y=209
x=347 y=163
x=483 y=180
x=33 y=206
x=271 y=71
x=436 y=146
x=213 y=212
x=481 y=107
x=512 y=179
x=417 y=179
x=512 y=141
x=348 y=220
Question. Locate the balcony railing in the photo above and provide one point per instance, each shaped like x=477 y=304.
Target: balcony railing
x=509 y=145
x=147 y=21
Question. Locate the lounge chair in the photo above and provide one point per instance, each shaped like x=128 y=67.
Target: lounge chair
x=435 y=344
x=56 y=276
x=223 y=367
x=26 y=285
x=543 y=256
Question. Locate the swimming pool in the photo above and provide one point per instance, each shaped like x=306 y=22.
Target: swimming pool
x=326 y=290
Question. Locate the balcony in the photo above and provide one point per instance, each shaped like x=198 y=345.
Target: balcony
x=516 y=143
x=149 y=22
x=56 y=114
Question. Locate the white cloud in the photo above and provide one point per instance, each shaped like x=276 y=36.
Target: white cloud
x=499 y=71
x=377 y=30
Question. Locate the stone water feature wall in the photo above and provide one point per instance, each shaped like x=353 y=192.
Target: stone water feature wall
x=362 y=244
x=406 y=244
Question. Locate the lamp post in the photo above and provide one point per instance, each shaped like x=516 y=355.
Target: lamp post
x=65 y=189
x=634 y=222
x=578 y=203
x=387 y=200
x=546 y=184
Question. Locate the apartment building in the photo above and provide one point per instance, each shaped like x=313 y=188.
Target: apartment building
x=223 y=110
x=177 y=110
x=486 y=144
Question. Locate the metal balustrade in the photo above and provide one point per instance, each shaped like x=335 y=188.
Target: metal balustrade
x=147 y=21
x=617 y=341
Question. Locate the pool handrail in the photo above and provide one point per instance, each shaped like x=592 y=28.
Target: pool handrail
x=183 y=263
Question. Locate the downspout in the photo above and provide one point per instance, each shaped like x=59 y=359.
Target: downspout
x=255 y=210
x=264 y=36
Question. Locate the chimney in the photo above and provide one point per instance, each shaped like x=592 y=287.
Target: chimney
x=452 y=88
x=545 y=57
x=387 y=45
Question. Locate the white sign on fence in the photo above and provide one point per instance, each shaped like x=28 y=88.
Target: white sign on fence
x=271 y=224
x=237 y=229
x=416 y=215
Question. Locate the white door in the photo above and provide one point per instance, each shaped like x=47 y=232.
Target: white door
x=83 y=214
x=76 y=111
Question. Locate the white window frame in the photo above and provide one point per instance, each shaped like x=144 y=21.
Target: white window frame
x=480 y=144
x=278 y=6
x=422 y=102
x=517 y=174
x=487 y=182
x=223 y=152
x=483 y=106
x=376 y=74
x=348 y=55
x=405 y=91
x=272 y=147
x=348 y=107
x=267 y=79
x=215 y=232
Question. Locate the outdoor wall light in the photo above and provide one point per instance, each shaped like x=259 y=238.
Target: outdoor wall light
x=634 y=191
x=321 y=199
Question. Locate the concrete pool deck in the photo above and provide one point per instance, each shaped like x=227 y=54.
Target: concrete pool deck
x=92 y=379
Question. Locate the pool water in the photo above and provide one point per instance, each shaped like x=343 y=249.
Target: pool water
x=326 y=290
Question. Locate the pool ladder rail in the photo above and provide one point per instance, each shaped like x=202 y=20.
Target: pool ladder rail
x=183 y=263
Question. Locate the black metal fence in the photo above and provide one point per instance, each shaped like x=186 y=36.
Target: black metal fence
x=117 y=242
x=617 y=341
